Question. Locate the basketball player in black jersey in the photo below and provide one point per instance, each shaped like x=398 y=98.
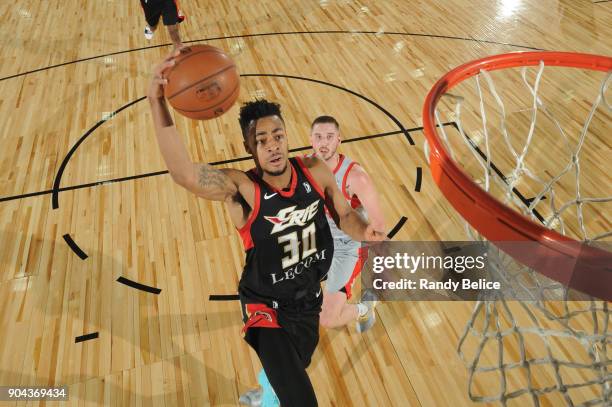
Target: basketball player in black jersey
x=278 y=209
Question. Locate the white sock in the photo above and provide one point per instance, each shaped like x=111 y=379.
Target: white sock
x=361 y=309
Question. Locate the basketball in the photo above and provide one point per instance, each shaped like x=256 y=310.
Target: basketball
x=203 y=84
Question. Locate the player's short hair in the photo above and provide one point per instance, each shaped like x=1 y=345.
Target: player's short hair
x=255 y=110
x=324 y=119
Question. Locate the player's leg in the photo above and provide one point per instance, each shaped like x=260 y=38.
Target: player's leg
x=283 y=366
x=172 y=17
x=365 y=308
x=363 y=312
x=152 y=11
x=284 y=341
x=337 y=312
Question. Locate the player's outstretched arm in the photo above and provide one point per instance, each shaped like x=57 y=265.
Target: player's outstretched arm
x=347 y=219
x=201 y=179
x=360 y=184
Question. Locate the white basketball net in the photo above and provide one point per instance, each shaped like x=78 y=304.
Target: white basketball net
x=542 y=362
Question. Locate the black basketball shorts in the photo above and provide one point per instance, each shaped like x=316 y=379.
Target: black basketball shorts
x=299 y=320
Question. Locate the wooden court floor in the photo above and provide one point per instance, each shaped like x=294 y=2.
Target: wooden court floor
x=79 y=163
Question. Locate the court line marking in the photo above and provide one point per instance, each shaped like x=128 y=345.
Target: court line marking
x=62 y=167
x=333 y=85
x=138 y=286
x=162 y=172
x=86 y=337
x=377 y=33
x=419 y=177
x=60 y=171
x=75 y=247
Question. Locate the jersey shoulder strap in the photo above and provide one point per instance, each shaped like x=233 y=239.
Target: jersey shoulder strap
x=245 y=230
x=341 y=173
x=301 y=167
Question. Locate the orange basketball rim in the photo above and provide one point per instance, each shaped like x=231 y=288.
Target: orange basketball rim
x=571 y=262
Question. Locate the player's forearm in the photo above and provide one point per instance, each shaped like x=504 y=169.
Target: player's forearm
x=170 y=144
x=363 y=186
x=378 y=223
x=375 y=217
x=353 y=225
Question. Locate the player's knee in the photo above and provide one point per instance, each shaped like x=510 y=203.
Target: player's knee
x=327 y=321
x=332 y=308
x=328 y=316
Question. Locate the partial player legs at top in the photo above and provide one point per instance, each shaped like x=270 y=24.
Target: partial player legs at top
x=169 y=11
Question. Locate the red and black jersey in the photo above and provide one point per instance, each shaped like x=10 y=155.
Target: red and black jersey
x=287 y=239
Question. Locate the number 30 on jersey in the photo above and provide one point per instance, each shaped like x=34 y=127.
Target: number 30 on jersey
x=291 y=245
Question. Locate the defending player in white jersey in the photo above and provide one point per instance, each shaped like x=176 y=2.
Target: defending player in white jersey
x=358 y=188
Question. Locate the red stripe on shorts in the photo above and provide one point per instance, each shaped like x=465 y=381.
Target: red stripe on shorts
x=363 y=256
x=260 y=316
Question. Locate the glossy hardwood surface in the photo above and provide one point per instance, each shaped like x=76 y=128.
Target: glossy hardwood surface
x=178 y=348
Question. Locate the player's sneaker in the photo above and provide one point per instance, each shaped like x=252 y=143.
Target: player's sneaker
x=365 y=321
x=263 y=396
x=252 y=398
x=148 y=32
x=268 y=396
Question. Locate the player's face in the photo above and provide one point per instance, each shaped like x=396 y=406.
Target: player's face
x=325 y=139
x=269 y=145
